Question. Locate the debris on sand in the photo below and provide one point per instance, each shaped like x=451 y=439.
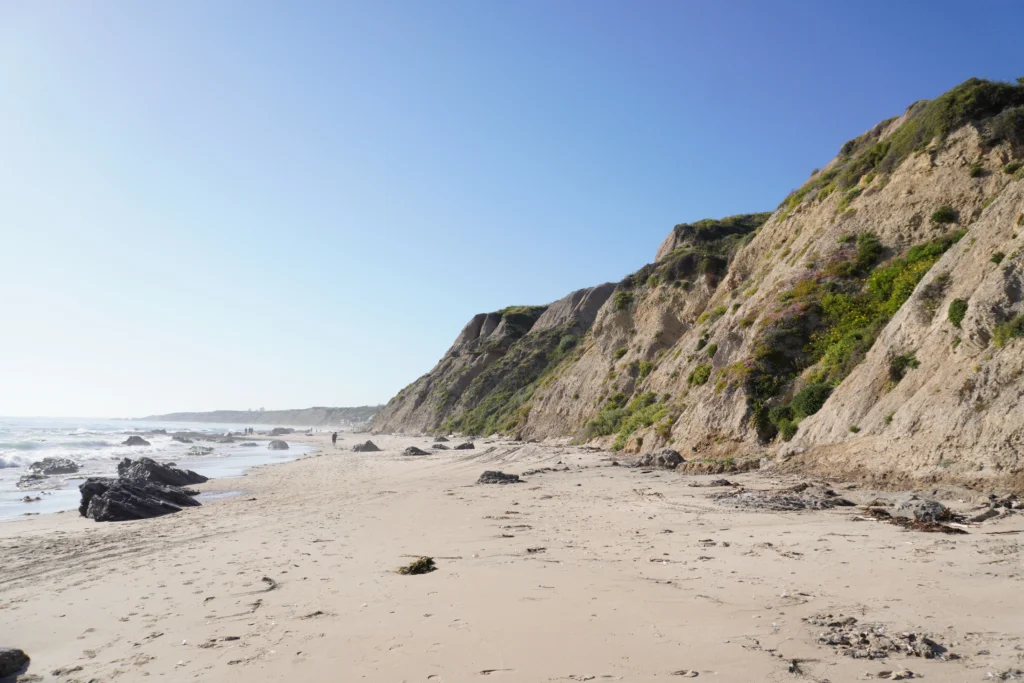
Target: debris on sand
x=412 y=450
x=800 y=497
x=542 y=470
x=495 y=477
x=912 y=524
x=874 y=641
x=712 y=483
x=422 y=565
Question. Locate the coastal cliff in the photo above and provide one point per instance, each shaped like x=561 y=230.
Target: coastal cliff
x=868 y=327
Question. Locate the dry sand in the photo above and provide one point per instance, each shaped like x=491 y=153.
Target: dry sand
x=640 y=578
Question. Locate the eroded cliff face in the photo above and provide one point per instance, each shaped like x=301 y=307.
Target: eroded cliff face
x=868 y=327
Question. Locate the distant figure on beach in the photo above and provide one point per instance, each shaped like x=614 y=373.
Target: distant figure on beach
x=334 y=439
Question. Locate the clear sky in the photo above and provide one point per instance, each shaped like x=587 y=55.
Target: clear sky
x=239 y=204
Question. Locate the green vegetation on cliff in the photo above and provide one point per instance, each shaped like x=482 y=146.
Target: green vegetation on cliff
x=995 y=109
x=829 y=320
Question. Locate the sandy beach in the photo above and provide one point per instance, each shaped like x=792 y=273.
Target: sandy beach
x=589 y=571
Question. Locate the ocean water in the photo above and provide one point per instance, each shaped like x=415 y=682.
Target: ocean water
x=95 y=445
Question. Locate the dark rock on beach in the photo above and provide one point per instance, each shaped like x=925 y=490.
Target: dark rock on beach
x=922 y=510
x=250 y=443
x=412 y=450
x=368 y=447
x=468 y=446
x=439 y=447
x=119 y=500
x=12 y=660
x=147 y=469
x=49 y=466
x=667 y=458
x=495 y=477
x=441 y=439
x=281 y=431
x=135 y=441
x=278 y=445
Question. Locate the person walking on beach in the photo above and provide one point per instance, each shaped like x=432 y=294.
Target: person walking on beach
x=334 y=439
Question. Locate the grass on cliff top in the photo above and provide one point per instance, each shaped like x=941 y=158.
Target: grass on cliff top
x=995 y=108
x=830 y=320
x=705 y=249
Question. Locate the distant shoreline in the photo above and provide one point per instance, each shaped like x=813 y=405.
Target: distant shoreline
x=317 y=416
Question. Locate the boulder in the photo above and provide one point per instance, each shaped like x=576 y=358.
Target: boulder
x=278 y=445
x=368 y=447
x=922 y=510
x=12 y=660
x=412 y=450
x=250 y=443
x=439 y=447
x=495 y=477
x=667 y=458
x=181 y=439
x=48 y=466
x=441 y=439
x=147 y=469
x=200 y=450
x=467 y=446
x=119 y=500
x=281 y=431
x=135 y=440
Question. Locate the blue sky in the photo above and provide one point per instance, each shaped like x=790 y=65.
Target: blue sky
x=233 y=204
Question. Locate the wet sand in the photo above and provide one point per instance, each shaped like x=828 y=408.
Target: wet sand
x=597 y=573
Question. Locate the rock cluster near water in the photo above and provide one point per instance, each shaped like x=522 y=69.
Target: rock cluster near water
x=143 y=488
x=50 y=466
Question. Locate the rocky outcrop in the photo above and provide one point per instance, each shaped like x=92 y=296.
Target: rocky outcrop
x=135 y=440
x=278 y=445
x=368 y=447
x=496 y=362
x=120 y=500
x=872 y=326
x=50 y=466
x=147 y=469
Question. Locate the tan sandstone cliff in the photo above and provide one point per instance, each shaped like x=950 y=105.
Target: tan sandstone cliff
x=868 y=327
